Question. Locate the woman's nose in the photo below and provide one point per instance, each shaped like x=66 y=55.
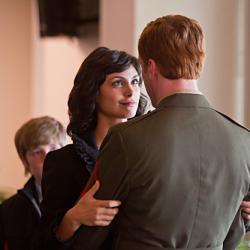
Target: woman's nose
x=129 y=90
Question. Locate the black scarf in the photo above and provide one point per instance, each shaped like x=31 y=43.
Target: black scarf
x=88 y=152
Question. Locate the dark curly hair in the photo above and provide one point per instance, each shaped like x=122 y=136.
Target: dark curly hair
x=91 y=74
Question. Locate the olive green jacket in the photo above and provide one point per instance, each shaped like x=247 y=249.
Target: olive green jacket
x=181 y=173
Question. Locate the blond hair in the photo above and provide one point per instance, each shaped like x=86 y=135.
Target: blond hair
x=38 y=131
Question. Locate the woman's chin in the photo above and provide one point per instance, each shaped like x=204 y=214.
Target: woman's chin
x=131 y=115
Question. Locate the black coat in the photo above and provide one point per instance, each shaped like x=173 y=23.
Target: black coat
x=65 y=175
x=19 y=218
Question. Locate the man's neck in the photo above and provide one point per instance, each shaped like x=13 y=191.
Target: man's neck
x=169 y=87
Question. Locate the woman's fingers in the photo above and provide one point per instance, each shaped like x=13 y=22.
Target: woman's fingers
x=91 y=192
x=107 y=203
x=107 y=211
x=245 y=207
x=102 y=223
x=103 y=220
x=93 y=212
x=99 y=203
x=245 y=204
x=104 y=216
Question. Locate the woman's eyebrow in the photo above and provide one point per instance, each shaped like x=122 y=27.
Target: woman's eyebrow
x=122 y=77
x=135 y=76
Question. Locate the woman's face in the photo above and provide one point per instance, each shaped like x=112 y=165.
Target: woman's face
x=119 y=95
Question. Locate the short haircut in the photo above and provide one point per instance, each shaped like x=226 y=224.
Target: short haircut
x=38 y=131
x=176 y=44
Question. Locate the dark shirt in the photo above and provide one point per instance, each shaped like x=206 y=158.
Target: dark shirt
x=19 y=218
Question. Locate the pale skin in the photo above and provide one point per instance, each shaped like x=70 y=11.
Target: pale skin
x=117 y=101
x=245 y=207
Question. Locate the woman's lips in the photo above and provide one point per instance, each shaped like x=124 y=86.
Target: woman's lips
x=128 y=103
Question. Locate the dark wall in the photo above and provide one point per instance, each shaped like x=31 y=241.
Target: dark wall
x=66 y=17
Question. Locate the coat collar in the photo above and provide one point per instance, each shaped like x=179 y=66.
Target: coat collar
x=87 y=152
x=184 y=100
x=29 y=191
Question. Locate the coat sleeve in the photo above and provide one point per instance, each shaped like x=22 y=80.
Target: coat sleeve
x=60 y=192
x=52 y=206
x=113 y=172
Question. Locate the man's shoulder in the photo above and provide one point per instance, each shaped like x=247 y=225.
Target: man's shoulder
x=233 y=122
x=134 y=122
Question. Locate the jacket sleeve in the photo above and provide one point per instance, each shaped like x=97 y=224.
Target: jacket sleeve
x=60 y=192
x=52 y=208
x=113 y=172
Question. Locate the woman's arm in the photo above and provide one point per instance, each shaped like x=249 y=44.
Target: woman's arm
x=62 y=182
x=89 y=212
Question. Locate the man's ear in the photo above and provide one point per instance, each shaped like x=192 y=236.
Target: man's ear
x=152 y=68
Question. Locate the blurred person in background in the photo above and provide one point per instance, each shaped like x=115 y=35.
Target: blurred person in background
x=20 y=214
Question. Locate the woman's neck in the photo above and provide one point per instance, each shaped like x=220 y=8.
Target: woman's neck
x=103 y=125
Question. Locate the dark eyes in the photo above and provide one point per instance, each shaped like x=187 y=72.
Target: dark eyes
x=118 y=83
x=122 y=83
x=135 y=81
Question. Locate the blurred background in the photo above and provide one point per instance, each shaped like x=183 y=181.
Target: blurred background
x=43 y=42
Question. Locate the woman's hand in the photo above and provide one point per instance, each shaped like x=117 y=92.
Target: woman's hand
x=92 y=212
x=87 y=211
x=245 y=207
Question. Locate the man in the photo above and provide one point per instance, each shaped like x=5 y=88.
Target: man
x=181 y=171
x=20 y=214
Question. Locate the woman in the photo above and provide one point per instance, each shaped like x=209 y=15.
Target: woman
x=106 y=92
x=20 y=214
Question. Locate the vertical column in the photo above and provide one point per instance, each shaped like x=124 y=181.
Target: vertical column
x=15 y=95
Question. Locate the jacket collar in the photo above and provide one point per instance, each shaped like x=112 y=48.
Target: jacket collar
x=184 y=100
x=88 y=152
x=29 y=191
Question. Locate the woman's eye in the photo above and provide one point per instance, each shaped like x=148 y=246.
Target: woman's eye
x=135 y=82
x=117 y=84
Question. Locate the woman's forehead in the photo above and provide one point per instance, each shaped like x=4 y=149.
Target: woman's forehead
x=128 y=73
